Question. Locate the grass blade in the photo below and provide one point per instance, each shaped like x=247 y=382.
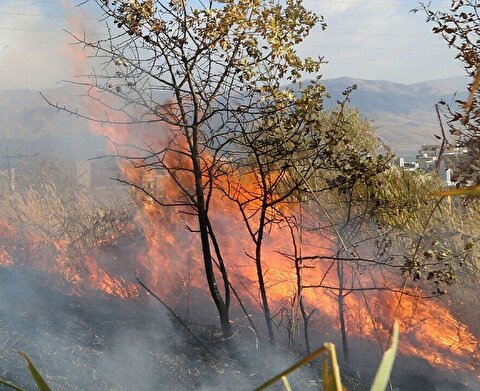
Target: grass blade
x=331 y=374
x=42 y=385
x=286 y=384
x=298 y=364
x=383 y=374
x=11 y=385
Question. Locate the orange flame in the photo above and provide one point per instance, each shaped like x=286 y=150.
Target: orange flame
x=172 y=259
x=5 y=259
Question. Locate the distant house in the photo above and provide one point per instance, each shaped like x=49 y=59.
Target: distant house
x=407 y=166
x=427 y=157
x=430 y=155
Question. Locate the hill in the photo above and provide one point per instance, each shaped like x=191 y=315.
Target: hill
x=403 y=114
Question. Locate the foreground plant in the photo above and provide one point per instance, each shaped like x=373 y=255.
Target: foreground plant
x=463 y=191
x=39 y=381
x=331 y=380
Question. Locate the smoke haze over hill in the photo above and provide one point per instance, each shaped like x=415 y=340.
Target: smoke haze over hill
x=403 y=115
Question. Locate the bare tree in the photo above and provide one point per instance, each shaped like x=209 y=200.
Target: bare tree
x=262 y=180
x=220 y=63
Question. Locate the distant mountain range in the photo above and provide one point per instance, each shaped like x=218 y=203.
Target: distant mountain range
x=403 y=114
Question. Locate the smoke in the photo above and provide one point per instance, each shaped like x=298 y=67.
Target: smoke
x=93 y=343
x=103 y=343
x=29 y=47
x=79 y=343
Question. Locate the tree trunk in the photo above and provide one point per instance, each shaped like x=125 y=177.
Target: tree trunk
x=261 y=280
x=222 y=308
x=341 y=310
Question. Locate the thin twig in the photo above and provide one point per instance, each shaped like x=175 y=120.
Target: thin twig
x=177 y=317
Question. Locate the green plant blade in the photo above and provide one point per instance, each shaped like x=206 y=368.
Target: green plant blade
x=42 y=385
x=383 y=374
x=326 y=375
x=335 y=367
x=11 y=385
x=331 y=374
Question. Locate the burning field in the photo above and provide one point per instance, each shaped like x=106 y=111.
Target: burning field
x=70 y=297
x=110 y=287
x=92 y=328
x=72 y=262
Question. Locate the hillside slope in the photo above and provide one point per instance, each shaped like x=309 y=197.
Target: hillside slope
x=403 y=114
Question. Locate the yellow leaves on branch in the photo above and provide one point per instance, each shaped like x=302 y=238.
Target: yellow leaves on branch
x=258 y=37
x=144 y=9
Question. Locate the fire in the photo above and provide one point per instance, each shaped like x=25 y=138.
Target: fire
x=82 y=274
x=428 y=329
x=5 y=259
x=171 y=259
x=101 y=280
x=8 y=234
x=441 y=339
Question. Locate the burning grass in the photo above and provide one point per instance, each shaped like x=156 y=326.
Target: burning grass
x=84 y=247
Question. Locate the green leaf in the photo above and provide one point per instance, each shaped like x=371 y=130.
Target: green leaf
x=383 y=374
x=42 y=385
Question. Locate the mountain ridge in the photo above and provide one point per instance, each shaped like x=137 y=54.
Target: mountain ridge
x=403 y=115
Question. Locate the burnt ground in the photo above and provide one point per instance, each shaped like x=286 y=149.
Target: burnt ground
x=96 y=342
x=99 y=342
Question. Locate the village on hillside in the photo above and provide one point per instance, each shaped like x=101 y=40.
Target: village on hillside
x=435 y=158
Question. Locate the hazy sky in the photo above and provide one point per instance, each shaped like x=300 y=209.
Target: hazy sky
x=369 y=39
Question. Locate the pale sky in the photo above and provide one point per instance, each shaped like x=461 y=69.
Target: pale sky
x=368 y=39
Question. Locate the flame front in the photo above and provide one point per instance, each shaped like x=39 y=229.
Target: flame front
x=171 y=260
